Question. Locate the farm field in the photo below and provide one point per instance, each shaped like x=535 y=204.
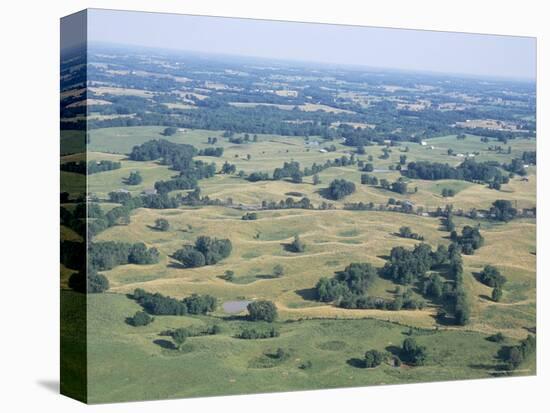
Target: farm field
x=241 y=227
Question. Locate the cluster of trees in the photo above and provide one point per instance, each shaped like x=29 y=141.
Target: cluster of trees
x=179 y=183
x=529 y=157
x=469 y=241
x=292 y=170
x=139 y=319
x=516 y=167
x=492 y=277
x=162 y=224
x=216 y=152
x=297 y=245
x=399 y=186
x=412 y=353
x=168 y=152
x=289 y=170
x=347 y=285
x=134 y=178
x=205 y=251
x=170 y=131
x=513 y=356
x=373 y=358
x=228 y=168
x=258 y=176
x=250 y=216
x=90 y=282
x=469 y=170
x=367 y=179
x=262 y=310
x=106 y=255
x=91 y=167
x=406 y=232
x=254 y=334
x=239 y=140
x=447 y=192
x=502 y=210
x=158 y=304
x=102 y=166
x=340 y=188
x=408 y=266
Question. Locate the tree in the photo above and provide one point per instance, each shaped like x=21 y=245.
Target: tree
x=297 y=245
x=496 y=295
x=134 y=178
x=179 y=336
x=262 y=310
x=405 y=232
x=316 y=179
x=402 y=159
x=369 y=167
x=229 y=275
x=170 y=131
x=491 y=276
x=412 y=353
x=140 y=318
x=297 y=177
x=162 y=224
x=190 y=257
x=502 y=210
x=373 y=358
x=278 y=270
x=90 y=282
x=339 y=188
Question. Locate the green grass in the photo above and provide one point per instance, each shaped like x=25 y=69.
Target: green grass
x=123 y=359
x=327 y=336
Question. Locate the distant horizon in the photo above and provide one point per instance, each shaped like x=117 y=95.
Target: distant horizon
x=349 y=66
x=412 y=50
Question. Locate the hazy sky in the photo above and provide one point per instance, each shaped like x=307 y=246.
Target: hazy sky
x=486 y=55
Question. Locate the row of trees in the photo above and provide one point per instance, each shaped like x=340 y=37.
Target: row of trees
x=106 y=255
x=216 y=152
x=255 y=333
x=90 y=167
x=469 y=170
x=399 y=186
x=158 y=304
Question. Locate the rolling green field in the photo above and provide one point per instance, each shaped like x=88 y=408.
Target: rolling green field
x=331 y=339
x=182 y=249
x=223 y=364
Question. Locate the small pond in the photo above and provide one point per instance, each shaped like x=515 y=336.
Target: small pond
x=235 y=307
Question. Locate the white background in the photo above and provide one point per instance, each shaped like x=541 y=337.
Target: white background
x=29 y=142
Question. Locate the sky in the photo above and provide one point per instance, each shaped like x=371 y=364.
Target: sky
x=414 y=50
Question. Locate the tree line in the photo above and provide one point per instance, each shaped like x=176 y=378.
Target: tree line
x=158 y=304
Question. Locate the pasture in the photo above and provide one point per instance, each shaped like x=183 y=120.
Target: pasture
x=223 y=364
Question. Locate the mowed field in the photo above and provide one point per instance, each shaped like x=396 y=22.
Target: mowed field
x=223 y=364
